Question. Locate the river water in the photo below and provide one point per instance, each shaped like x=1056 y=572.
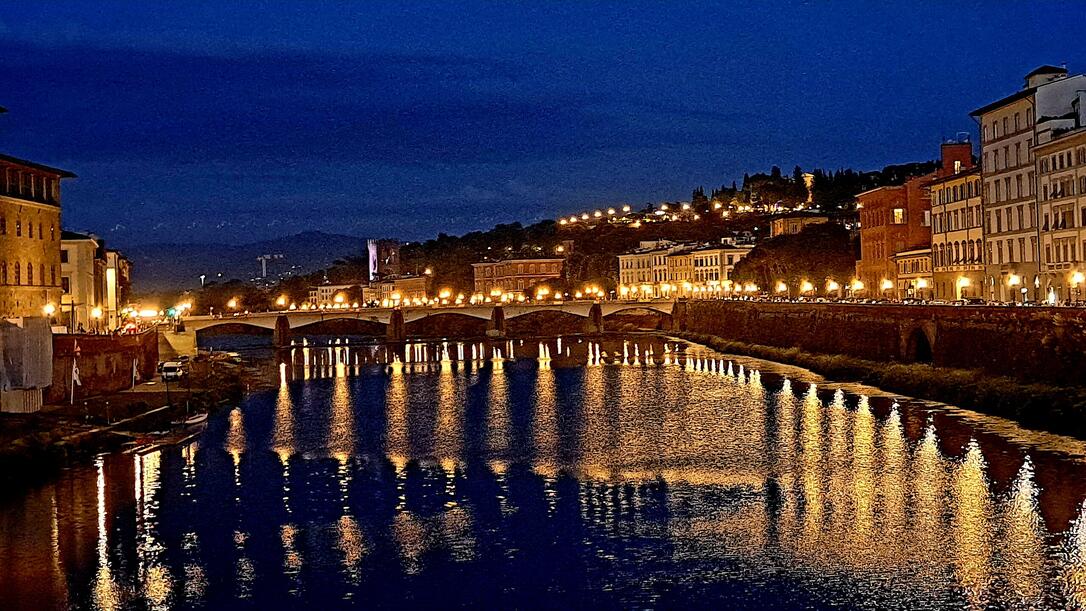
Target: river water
x=570 y=473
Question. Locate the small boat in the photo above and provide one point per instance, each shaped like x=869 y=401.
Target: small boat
x=191 y=420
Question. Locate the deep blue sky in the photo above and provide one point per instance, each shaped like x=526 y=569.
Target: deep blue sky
x=222 y=121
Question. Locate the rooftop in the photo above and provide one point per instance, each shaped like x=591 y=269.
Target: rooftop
x=37 y=166
x=1047 y=69
x=1014 y=97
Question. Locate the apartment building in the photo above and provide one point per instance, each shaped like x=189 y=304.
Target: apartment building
x=1012 y=227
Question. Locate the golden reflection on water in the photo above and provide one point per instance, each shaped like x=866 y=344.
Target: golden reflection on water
x=821 y=482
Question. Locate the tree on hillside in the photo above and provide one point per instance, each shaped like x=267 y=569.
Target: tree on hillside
x=816 y=254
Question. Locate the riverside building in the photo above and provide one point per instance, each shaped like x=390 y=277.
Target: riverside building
x=1012 y=224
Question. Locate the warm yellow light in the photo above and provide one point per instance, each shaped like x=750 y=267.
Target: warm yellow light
x=964 y=282
x=577 y=295
x=781 y=287
x=806 y=287
x=857 y=285
x=233 y=303
x=1077 y=278
x=495 y=292
x=293 y=306
x=559 y=249
x=832 y=286
x=282 y=301
x=1014 y=280
x=887 y=284
x=445 y=293
x=49 y=309
x=686 y=206
x=597 y=213
x=542 y=292
x=395 y=296
x=428 y=271
x=339 y=298
x=626 y=208
x=610 y=211
x=96 y=313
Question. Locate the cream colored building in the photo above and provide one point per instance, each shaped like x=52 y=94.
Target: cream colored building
x=1061 y=160
x=670 y=269
x=1009 y=197
x=82 y=282
x=914 y=274
x=325 y=294
x=957 y=235
x=713 y=265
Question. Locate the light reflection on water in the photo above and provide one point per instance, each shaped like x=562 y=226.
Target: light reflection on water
x=563 y=473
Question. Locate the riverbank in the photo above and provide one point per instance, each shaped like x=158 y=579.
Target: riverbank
x=33 y=447
x=1055 y=409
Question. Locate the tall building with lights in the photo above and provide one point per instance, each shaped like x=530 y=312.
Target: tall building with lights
x=29 y=237
x=1013 y=224
x=1061 y=164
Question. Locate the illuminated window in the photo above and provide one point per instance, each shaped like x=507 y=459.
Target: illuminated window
x=899 y=216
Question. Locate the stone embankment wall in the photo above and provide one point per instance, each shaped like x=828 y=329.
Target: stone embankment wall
x=104 y=363
x=1032 y=344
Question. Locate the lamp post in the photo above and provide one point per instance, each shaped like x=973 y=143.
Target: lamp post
x=1014 y=281
x=1076 y=287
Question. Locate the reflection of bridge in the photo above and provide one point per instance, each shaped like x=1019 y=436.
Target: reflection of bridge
x=393 y=322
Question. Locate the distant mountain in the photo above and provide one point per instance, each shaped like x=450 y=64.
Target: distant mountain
x=157 y=267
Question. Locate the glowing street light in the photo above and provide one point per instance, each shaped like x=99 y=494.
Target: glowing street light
x=832 y=286
x=49 y=309
x=781 y=287
x=281 y=301
x=233 y=303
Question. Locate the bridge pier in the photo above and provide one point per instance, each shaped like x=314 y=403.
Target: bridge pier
x=281 y=335
x=595 y=319
x=496 y=326
x=397 y=329
x=679 y=311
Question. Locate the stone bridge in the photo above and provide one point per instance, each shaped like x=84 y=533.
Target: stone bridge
x=466 y=320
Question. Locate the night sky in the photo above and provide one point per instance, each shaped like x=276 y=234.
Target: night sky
x=224 y=122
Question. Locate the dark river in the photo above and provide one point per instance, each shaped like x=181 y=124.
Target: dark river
x=571 y=474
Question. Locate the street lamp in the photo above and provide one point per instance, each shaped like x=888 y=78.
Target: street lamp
x=1076 y=282
x=963 y=283
x=96 y=314
x=886 y=285
x=1014 y=281
x=233 y=303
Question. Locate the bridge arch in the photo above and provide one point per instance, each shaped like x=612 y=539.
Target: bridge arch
x=547 y=322
x=341 y=326
x=637 y=316
x=448 y=324
x=918 y=343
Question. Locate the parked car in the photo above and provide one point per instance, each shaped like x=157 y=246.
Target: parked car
x=172 y=371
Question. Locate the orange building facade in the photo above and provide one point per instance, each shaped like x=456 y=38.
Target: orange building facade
x=896 y=219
